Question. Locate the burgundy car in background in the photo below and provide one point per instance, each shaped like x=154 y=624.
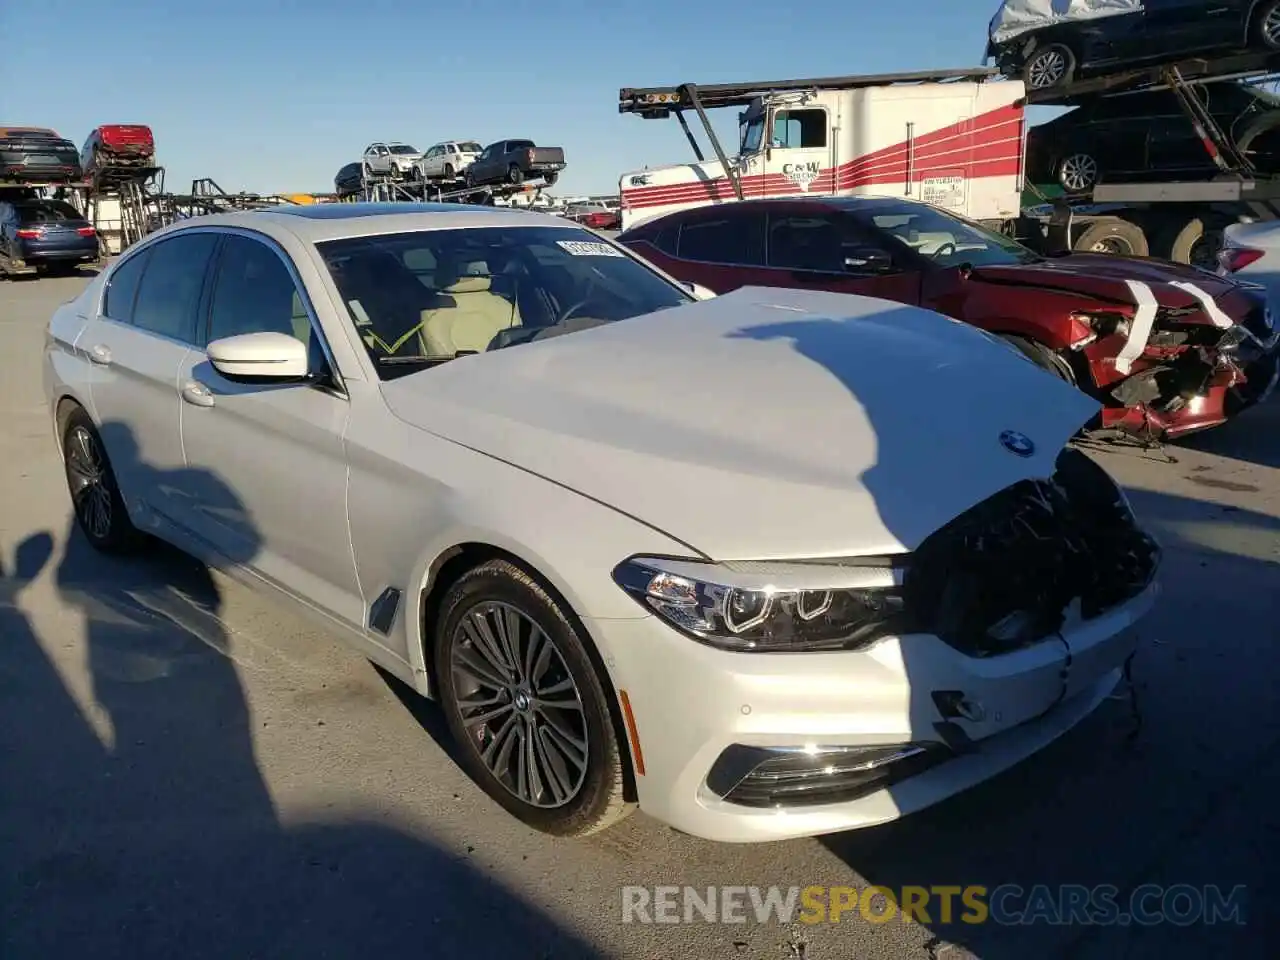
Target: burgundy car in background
x=595 y=214
x=1166 y=348
x=119 y=145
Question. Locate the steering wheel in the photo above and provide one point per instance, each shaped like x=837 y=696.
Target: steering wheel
x=568 y=312
x=945 y=249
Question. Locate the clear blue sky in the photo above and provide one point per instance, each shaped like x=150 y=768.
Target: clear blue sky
x=275 y=95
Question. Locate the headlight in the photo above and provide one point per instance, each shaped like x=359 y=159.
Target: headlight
x=773 y=607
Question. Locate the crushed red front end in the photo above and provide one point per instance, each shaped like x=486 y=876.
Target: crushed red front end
x=127 y=143
x=1167 y=349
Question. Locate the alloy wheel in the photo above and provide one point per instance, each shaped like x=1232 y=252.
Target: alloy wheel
x=87 y=478
x=1079 y=172
x=519 y=704
x=1047 y=69
x=1271 y=27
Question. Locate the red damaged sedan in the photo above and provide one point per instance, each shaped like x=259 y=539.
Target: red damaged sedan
x=1167 y=349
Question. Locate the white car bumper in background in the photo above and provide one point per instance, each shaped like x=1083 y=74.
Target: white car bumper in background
x=705 y=718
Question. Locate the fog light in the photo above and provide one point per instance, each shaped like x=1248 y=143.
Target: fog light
x=811 y=775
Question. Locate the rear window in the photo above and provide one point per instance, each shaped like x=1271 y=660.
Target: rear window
x=49 y=211
x=519 y=144
x=469 y=146
x=402 y=149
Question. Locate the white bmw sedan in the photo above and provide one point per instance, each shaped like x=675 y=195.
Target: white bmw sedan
x=770 y=564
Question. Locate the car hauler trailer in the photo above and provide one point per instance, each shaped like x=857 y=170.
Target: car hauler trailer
x=384 y=188
x=954 y=138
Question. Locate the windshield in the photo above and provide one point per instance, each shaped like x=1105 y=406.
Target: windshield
x=423 y=298
x=469 y=146
x=944 y=238
x=402 y=148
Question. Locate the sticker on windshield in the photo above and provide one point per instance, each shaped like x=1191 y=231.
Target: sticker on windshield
x=585 y=248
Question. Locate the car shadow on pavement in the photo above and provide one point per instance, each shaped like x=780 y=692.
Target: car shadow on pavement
x=134 y=821
x=1172 y=785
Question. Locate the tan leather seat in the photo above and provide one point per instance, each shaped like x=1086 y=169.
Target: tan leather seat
x=477 y=316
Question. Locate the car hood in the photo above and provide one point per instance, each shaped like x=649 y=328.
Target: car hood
x=1103 y=276
x=762 y=424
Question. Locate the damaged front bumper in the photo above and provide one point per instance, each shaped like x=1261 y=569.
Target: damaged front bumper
x=1024 y=612
x=1190 y=377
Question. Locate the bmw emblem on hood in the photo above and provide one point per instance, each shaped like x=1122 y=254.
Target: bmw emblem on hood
x=1017 y=443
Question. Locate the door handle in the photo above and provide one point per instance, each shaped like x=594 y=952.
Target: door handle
x=197 y=394
x=100 y=354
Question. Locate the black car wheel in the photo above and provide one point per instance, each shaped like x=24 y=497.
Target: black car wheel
x=448 y=171
x=1078 y=172
x=525 y=703
x=515 y=174
x=95 y=495
x=1050 y=67
x=1268 y=25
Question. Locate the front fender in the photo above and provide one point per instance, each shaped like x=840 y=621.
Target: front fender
x=405 y=516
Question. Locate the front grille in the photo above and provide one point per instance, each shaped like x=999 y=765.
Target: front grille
x=1005 y=574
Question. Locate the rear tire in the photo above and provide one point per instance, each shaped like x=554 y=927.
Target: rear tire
x=571 y=782
x=95 y=495
x=515 y=174
x=1077 y=172
x=1266 y=25
x=1196 y=243
x=449 y=172
x=550 y=179
x=1052 y=66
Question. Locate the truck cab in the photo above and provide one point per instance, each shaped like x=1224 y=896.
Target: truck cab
x=956 y=143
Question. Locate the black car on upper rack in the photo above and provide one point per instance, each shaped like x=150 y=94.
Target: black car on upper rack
x=1146 y=136
x=37 y=154
x=349 y=181
x=1048 y=47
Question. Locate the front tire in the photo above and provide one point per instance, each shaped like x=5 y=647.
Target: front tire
x=95 y=495
x=525 y=704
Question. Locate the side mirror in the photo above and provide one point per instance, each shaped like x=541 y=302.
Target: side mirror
x=867 y=260
x=698 y=291
x=260 y=357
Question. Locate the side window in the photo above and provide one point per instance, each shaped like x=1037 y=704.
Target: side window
x=254 y=292
x=170 y=290
x=821 y=243
x=667 y=238
x=799 y=128
x=122 y=288
x=737 y=240
x=804 y=242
